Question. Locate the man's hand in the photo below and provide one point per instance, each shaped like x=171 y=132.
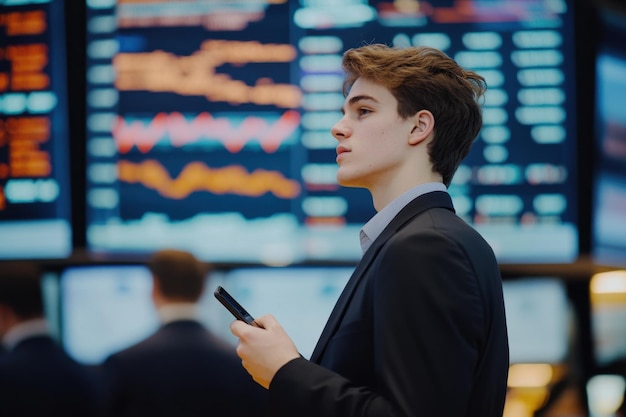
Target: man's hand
x=263 y=350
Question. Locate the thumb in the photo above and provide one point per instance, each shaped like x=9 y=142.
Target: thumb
x=266 y=321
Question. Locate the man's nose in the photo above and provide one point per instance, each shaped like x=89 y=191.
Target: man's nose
x=340 y=130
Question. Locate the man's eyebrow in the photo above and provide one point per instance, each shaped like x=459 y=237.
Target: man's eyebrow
x=356 y=99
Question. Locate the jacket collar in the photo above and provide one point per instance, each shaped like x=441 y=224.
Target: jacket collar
x=436 y=199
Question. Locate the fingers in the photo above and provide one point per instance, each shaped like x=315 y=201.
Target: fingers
x=267 y=321
x=241 y=329
x=263 y=350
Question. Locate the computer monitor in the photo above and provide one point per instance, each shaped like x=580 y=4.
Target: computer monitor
x=539 y=320
x=105 y=309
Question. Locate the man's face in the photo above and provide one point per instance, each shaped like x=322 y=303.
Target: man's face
x=373 y=138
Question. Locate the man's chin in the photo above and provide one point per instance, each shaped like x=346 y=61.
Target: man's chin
x=346 y=181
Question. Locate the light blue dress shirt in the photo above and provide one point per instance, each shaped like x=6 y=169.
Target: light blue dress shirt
x=374 y=227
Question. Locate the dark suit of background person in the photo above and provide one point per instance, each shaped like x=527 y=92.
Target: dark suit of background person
x=37 y=378
x=182 y=369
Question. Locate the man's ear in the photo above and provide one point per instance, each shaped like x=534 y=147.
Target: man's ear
x=424 y=125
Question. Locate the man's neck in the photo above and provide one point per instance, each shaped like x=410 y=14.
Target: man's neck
x=169 y=312
x=384 y=195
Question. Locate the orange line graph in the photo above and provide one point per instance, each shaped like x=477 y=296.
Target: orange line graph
x=212 y=15
x=181 y=131
x=196 y=75
x=196 y=176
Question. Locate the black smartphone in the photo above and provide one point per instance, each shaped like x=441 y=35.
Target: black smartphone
x=234 y=307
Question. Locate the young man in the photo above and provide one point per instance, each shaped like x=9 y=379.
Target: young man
x=420 y=328
x=182 y=369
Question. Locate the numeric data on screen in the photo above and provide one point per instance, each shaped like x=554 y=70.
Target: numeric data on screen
x=34 y=170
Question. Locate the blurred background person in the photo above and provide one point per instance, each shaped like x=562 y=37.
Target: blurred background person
x=37 y=377
x=182 y=369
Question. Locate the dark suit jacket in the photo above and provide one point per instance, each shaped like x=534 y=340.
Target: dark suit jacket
x=181 y=370
x=37 y=378
x=419 y=329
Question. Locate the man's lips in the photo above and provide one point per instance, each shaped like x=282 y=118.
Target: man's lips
x=341 y=150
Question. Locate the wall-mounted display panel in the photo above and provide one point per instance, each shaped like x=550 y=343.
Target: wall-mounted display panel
x=208 y=124
x=34 y=164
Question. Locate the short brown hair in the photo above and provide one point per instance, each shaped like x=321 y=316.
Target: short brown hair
x=179 y=274
x=423 y=78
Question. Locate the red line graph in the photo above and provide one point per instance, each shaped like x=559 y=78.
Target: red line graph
x=197 y=176
x=471 y=11
x=180 y=131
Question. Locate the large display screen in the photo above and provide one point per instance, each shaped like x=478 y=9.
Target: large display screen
x=107 y=308
x=208 y=124
x=609 y=202
x=34 y=181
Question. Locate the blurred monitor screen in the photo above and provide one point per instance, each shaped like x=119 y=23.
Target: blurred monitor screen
x=538 y=320
x=608 y=321
x=107 y=308
x=609 y=202
x=34 y=153
x=301 y=299
x=51 y=296
x=208 y=124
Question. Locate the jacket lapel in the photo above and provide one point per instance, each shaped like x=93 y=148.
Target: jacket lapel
x=415 y=207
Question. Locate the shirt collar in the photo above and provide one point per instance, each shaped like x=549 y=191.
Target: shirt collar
x=25 y=330
x=178 y=311
x=374 y=227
